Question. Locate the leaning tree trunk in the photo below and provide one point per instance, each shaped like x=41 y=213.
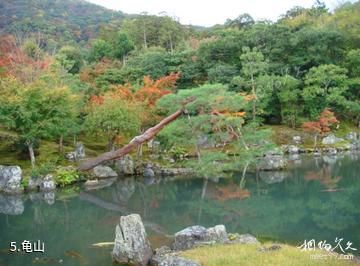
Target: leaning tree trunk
x=146 y=136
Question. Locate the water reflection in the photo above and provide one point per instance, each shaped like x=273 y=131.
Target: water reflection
x=315 y=200
x=11 y=204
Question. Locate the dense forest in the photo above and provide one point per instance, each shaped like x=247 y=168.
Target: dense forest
x=72 y=69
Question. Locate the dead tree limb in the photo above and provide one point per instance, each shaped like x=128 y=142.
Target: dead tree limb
x=146 y=136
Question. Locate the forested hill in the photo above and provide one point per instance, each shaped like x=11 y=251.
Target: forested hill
x=60 y=20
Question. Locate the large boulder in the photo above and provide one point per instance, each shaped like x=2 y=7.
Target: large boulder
x=272 y=163
x=103 y=171
x=125 y=165
x=10 y=179
x=11 y=204
x=331 y=139
x=131 y=243
x=198 y=235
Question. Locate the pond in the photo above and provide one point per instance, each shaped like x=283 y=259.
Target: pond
x=317 y=198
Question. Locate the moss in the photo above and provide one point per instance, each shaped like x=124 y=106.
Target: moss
x=240 y=254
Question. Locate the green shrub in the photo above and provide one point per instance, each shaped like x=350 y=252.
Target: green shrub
x=66 y=176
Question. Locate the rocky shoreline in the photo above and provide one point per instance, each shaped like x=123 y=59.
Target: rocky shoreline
x=11 y=179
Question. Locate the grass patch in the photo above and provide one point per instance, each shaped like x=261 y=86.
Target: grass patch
x=240 y=254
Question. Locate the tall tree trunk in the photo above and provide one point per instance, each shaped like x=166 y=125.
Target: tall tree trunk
x=31 y=153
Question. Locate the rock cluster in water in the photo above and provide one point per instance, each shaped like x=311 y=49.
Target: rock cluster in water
x=133 y=247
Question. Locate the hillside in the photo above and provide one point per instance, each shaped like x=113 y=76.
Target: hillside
x=60 y=20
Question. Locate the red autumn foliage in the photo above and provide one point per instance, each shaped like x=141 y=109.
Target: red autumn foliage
x=322 y=126
x=154 y=90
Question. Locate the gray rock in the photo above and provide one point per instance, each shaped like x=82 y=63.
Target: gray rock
x=148 y=172
x=79 y=151
x=103 y=171
x=273 y=176
x=187 y=238
x=242 y=239
x=48 y=184
x=217 y=234
x=297 y=140
x=172 y=260
x=125 y=165
x=198 y=235
x=131 y=243
x=11 y=204
x=352 y=136
x=272 y=163
x=70 y=156
x=330 y=151
x=164 y=256
x=10 y=179
x=331 y=139
x=292 y=149
x=161 y=251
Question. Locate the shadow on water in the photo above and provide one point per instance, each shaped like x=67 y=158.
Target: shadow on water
x=316 y=198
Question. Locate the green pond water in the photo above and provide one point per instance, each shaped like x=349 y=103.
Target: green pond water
x=315 y=199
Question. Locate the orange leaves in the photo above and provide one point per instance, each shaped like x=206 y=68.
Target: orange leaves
x=144 y=98
x=154 y=90
x=326 y=120
x=96 y=100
